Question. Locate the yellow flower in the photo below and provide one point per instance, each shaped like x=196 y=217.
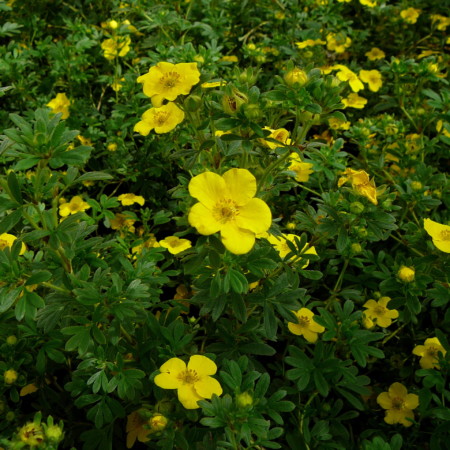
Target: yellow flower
x=10 y=376
x=305 y=325
x=122 y=222
x=7 y=240
x=369 y=3
x=117 y=85
x=410 y=15
x=116 y=47
x=296 y=76
x=375 y=53
x=338 y=124
x=28 y=389
x=31 y=434
x=302 y=170
x=226 y=204
x=130 y=199
x=360 y=183
x=399 y=405
x=281 y=135
x=229 y=58
x=213 y=84
x=373 y=78
x=338 y=42
x=413 y=142
x=163 y=119
x=168 y=81
x=444 y=22
x=60 y=104
x=282 y=247
x=84 y=141
x=429 y=353
x=406 y=274
x=137 y=428
x=175 y=245
x=354 y=101
x=149 y=243
x=309 y=43
x=440 y=128
x=352 y=78
x=112 y=147
x=74 y=206
x=439 y=233
x=158 y=422
x=377 y=312
x=193 y=382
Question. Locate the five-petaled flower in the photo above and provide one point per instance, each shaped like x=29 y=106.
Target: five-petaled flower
x=227 y=204
x=399 y=405
x=439 y=233
x=192 y=381
x=354 y=101
x=7 y=240
x=372 y=78
x=168 y=81
x=378 y=312
x=305 y=325
x=60 y=104
x=130 y=199
x=162 y=119
x=410 y=15
x=75 y=205
x=360 y=183
x=375 y=53
x=429 y=353
x=116 y=47
x=175 y=245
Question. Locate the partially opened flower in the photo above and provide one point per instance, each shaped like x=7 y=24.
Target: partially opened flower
x=302 y=169
x=361 y=183
x=305 y=325
x=192 y=381
x=60 y=104
x=378 y=313
x=429 y=353
x=168 y=81
x=162 y=119
x=175 y=245
x=399 y=405
x=227 y=205
x=439 y=233
x=350 y=76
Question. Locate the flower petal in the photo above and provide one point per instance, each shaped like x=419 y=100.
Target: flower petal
x=295 y=328
x=208 y=188
x=411 y=401
x=201 y=218
x=188 y=397
x=207 y=386
x=241 y=185
x=168 y=378
x=237 y=240
x=202 y=365
x=254 y=216
x=384 y=400
x=398 y=390
x=310 y=335
x=419 y=350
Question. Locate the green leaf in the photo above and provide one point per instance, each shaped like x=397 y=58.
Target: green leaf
x=8 y=298
x=10 y=221
x=14 y=188
x=93 y=176
x=38 y=277
x=257 y=348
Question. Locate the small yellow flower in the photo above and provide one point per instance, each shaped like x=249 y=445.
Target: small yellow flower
x=244 y=400
x=60 y=104
x=399 y=405
x=360 y=183
x=162 y=119
x=373 y=78
x=302 y=170
x=149 y=243
x=375 y=53
x=192 y=381
x=369 y=3
x=352 y=78
x=378 y=313
x=118 y=46
x=75 y=205
x=10 y=376
x=309 y=43
x=158 y=422
x=406 y=274
x=443 y=22
x=116 y=85
x=305 y=325
x=31 y=434
x=296 y=76
x=338 y=42
x=130 y=199
x=123 y=222
x=227 y=204
x=281 y=135
x=112 y=147
x=354 y=101
x=84 y=141
x=440 y=128
x=229 y=58
x=338 y=124
x=439 y=233
x=7 y=240
x=28 y=389
x=175 y=245
x=410 y=15
x=429 y=353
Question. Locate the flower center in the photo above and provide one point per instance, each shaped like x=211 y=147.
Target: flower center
x=379 y=310
x=445 y=235
x=170 y=79
x=303 y=321
x=3 y=244
x=188 y=377
x=432 y=351
x=397 y=403
x=161 y=117
x=225 y=211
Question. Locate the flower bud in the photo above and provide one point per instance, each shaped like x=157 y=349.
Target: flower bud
x=11 y=340
x=416 y=185
x=406 y=274
x=158 y=422
x=356 y=248
x=291 y=226
x=54 y=433
x=252 y=111
x=248 y=76
x=244 y=400
x=362 y=231
x=10 y=376
x=356 y=207
x=113 y=24
x=296 y=76
x=232 y=103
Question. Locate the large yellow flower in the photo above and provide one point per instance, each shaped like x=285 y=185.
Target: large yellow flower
x=360 y=183
x=399 y=404
x=226 y=204
x=163 y=119
x=7 y=240
x=60 y=104
x=439 y=233
x=429 y=353
x=168 y=81
x=305 y=325
x=193 y=382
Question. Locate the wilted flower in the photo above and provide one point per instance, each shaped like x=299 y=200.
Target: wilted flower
x=296 y=76
x=31 y=434
x=281 y=135
x=281 y=246
x=399 y=404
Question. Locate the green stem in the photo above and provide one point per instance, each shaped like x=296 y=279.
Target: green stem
x=302 y=416
x=394 y=333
